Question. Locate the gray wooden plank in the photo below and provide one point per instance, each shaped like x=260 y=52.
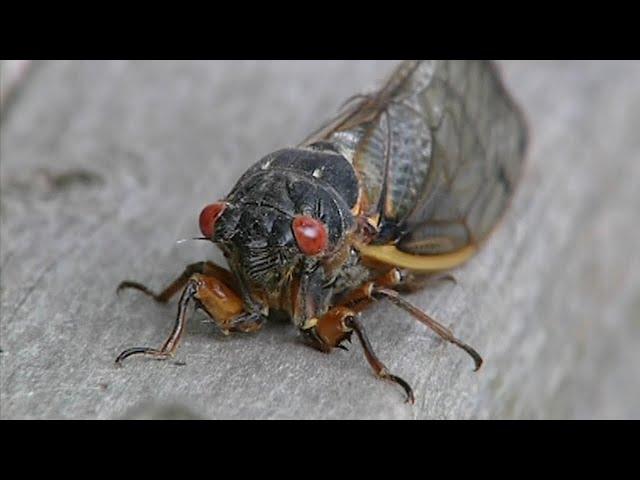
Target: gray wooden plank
x=552 y=302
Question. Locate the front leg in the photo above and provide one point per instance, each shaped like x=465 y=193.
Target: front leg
x=336 y=326
x=218 y=300
x=205 y=268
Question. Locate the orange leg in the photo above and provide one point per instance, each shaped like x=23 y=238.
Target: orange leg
x=207 y=268
x=338 y=324
x=422 y=317
x=386 y=286
x=330 y=330
x=208 y=291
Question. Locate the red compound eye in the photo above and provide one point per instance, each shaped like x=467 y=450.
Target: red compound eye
x=208 y=218
x=311 y=234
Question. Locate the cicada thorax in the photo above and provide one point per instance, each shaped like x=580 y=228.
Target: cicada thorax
x=288 y=226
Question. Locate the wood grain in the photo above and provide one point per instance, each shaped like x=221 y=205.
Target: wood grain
x=104 y=165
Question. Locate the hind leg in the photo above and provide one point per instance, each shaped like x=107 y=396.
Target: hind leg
x=389 y=285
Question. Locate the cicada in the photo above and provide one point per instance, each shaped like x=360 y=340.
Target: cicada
x=401 y=185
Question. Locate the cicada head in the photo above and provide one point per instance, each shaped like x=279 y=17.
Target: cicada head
x=285 y=218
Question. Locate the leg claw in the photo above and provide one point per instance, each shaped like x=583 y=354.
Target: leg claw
x=150 y=352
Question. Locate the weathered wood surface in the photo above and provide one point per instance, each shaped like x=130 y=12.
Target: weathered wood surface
x=552 y=302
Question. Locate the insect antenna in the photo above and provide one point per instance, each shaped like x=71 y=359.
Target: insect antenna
x=182 y=240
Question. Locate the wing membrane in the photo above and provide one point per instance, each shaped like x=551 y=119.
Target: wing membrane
x=438 y=150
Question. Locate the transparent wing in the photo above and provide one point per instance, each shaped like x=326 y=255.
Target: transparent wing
x=438 y=150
